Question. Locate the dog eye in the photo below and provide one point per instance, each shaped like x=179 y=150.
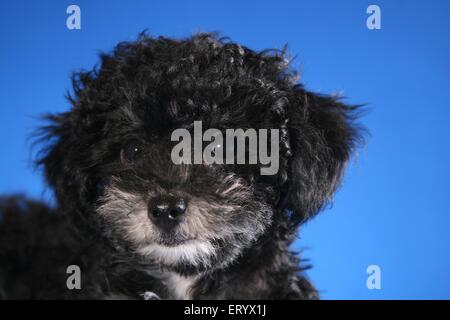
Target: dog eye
x=130 y=151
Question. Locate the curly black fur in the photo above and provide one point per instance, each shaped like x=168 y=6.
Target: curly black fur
x=142 y=91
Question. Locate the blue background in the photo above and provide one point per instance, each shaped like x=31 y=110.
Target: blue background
x=392 y=210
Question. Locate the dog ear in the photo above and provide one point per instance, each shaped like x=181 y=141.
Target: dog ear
x=322 y=136
x=55 y=138
x=57 y=158
x=64 y=159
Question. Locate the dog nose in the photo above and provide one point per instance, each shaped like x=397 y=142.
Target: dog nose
x=167 y=212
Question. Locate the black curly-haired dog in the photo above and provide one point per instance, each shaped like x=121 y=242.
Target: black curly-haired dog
x=140 y=226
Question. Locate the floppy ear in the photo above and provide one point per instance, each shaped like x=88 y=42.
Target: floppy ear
x=322 y=137
x=64 y=159
x=55 y=136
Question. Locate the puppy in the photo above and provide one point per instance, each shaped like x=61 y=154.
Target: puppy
x=138 y=224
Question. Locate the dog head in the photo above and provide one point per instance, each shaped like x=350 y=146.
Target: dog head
x=109 y=158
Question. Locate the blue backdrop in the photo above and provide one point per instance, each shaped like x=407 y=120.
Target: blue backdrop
x=391 y=210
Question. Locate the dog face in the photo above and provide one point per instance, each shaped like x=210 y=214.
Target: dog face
x=183 y=217
x=110 y=163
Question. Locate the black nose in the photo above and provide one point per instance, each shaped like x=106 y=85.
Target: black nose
x=167 y=212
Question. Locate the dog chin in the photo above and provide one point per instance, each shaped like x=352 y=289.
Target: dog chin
x=174 y=241
x=193 y=253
